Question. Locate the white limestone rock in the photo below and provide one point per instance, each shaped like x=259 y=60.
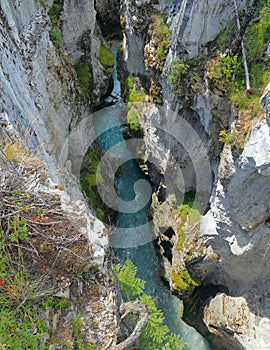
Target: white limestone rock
x=226 y=315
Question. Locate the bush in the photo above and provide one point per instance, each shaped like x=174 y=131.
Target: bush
x=184 y=281
x=55 y=11
x=189 y=215
x=54 y=14
x=155 y=335
x=162 y=33
x=177 y=71
x=132 y=119
x=226 y=138
x=130 y=82
x=135 y=96
x=56 y=37
x=84 y=76
x=130 y=285
x=106 y=58
x=90 y=176
x=160 y=38
x=155 y=330
x=17 y=333
x=222 y=70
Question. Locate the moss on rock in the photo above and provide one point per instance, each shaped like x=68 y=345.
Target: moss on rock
x=106 y=58
x=183 y=281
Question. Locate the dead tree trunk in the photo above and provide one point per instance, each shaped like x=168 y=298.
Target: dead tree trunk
x=135 y=308
x=243 y=49
x=249 y=17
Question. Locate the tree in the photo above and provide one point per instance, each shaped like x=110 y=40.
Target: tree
x=149 y=331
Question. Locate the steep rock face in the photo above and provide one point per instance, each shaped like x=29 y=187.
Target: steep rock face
x=196 y=23
x=82 y=40
x=40 y=92
x=193 y=25
x=240 y=209
x=237 y=229
x=36 y=80
x=226 y=315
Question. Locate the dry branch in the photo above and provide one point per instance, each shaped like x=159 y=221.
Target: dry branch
x=135 y=308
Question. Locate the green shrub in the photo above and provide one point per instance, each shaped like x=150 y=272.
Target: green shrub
x=260 y=31
x=84 y=75
x=187 y=211
x=132 y=119
x=106 y=58
x=173 y=342
x=155 y=330
x=54 y=14
x=181 y=239
x=135 y=101
x=90 y=176
x=55 y=11
x=183 y=281
x=156 y=335
x=135 y=96
x=222 y=70
x=130 y=285
x=56 y=37
x=130 y=82
x=17 y=333
x=160 y=34
x=226 y=138
x=177 y=71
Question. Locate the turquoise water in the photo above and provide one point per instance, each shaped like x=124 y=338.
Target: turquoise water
x=132 y=238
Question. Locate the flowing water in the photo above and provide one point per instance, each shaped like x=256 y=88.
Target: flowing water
x=132 y=228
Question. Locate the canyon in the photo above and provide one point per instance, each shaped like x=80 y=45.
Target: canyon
x=227 y=248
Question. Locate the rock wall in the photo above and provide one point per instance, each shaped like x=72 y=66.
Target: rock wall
x=207 y=111
x=237 y=229
x=37 y=82
x=40 y=90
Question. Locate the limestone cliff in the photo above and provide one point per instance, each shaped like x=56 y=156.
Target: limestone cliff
x=226 y=252
x=40 y=90
x=237 y=229
x=42 y=102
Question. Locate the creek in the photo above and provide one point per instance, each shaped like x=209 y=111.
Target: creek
x=132 y=237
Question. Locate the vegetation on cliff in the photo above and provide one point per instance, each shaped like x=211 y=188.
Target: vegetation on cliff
x=225 y=72
x=90 y=177
x=85 y=77
x=54 y=14
x=135 y=99
x=43 y=255
x=155 y=335
x=156 y=50
x=106 y=58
